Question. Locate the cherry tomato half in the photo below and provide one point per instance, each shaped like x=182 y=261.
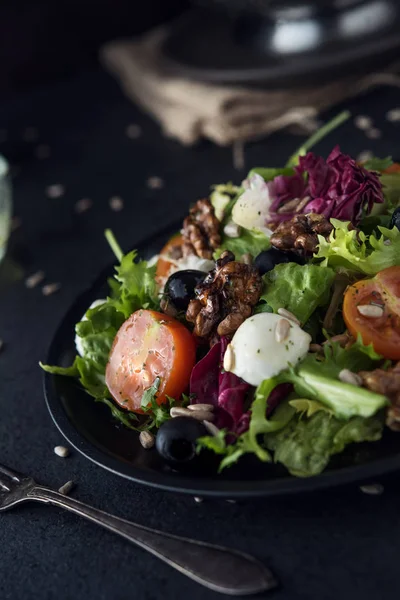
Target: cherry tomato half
x=172 y=249
x=382 y=331
x=149 y=345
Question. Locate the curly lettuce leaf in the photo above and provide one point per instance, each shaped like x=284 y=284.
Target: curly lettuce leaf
x=133 y=287
x=354 y=251
x=252 y=242
x=306 y=445
x=377 y=164
x=301 y=289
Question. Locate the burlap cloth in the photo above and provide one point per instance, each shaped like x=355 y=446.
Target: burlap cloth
x=188 y=110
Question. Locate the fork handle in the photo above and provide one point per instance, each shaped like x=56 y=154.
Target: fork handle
x=216 y=567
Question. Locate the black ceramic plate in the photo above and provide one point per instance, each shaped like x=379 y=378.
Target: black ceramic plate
x=90 y=429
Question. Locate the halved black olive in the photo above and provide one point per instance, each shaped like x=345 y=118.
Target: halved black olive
x=176 y=440
x=395 y=220
x=179 y=288
x=268 y=259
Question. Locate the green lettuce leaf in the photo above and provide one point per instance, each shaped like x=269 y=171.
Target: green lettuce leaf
x=252 y=242
x=268 y=174
x=356 y=252
x=378 y=164
x=133 y=287
x=306 y=445
x=298 y=288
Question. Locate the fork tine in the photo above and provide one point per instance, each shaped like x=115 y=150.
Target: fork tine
x=5 y=471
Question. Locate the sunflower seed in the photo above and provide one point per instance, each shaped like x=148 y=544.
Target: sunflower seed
x=282 y=330
x=55 y=191
x=199 y=415
x=373 y=489
x=155 y=183
x=315 y=347
x=288 y=315
x=42 y=151
x=34 y=279
x=30 y=134
x=50 y=288
x=374 y=133
x=83 y=205
x=347 y=376
x=133 y=131
x=371 y=311
x=238 y=155
x=116 y=203
x=211 y=428
x=364 y=156
x=147 y=439
x=363 y=122
x=229 y=358
x=66 y=488
x=198 y=499
x=393 y=115
x=232 y=230
x=247 y=258
x=200 y=406
x=61 y=451
x=15 y=223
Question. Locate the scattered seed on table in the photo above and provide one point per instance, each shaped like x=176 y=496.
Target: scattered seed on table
x=61 y=451
x=55 y=191
x=155 y=183
x=116 y=203
x=238 y=155
x=373 y=134
x=147 y=439
x=34 y=279
x=363 y=122
x=133 y=131
x=373 y=489
x=364 y=156
x=42 y=151
x=198 y=499
x=393 y=115
x=50 y=288
x=30 y=134
x=15 y=223
x=83 y=205
x=66 y=488
x=232 y=501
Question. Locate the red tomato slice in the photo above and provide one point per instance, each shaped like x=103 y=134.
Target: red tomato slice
x=149 y=345
x=383 y=332
x=171 y=249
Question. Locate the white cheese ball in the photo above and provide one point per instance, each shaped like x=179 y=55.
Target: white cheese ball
x=251 y=209
x=78 y=340
x=255 y=354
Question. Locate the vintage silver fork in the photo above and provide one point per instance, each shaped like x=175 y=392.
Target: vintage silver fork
x=216 y=567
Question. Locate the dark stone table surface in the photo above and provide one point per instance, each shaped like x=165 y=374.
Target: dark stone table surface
x=340 y=543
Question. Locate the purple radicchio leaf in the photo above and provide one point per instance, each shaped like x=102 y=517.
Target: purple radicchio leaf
x=338 y=188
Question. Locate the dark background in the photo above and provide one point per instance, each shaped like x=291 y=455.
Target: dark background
x=337 y=544
x=42 y=40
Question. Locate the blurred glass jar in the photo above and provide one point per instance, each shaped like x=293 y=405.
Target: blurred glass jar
x=5 y=205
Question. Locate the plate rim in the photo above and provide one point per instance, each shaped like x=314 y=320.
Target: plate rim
x=175 y=482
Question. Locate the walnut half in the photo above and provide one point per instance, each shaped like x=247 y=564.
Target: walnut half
x=388 y=384
x=225 y=298
x=300 y=234
x=200 y=230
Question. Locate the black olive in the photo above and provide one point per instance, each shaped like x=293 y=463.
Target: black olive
x=268 y=259
x=395 y=220
x=176 y=440
x=179 y=288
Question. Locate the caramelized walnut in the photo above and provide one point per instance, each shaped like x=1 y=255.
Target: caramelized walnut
x=388 y=384
x=225 y=298
x=200 y=230
x=300 y=234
